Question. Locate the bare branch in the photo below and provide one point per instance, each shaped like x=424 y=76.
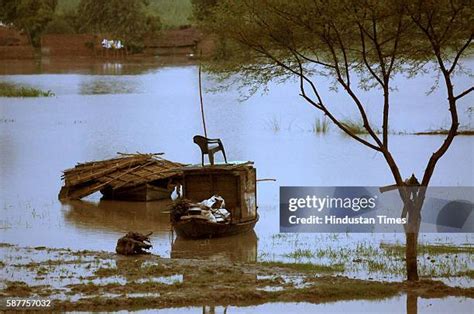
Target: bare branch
x=364 y=56
x=344 y=54
x=319 y=105
x=458 y=55
x=467 y=91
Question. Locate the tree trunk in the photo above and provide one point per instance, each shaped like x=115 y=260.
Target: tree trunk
x=413 y=207
x=410 y=256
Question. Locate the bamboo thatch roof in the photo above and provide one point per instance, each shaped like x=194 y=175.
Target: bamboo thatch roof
x=125 y=171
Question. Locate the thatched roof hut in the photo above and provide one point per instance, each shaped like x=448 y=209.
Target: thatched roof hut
x=129 y=176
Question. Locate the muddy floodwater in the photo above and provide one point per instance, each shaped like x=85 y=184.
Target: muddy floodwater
x=453 y=305
x=102 y=109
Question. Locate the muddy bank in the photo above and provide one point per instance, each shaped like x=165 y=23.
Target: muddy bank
x=92 y=280
x=180 y=42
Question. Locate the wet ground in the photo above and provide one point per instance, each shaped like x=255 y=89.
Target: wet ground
x=103 y=108
x=90 y=280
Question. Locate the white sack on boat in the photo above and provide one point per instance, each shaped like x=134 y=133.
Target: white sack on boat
x=215 y=202
x=208 y=215
x=223 y=212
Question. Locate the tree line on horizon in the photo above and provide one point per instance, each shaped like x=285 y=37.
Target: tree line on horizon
x=128 y=20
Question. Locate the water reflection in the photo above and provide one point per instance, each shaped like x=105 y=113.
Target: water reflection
x=119 y=216
x=89 y=65
x=412 y=303
x=112 y=68
x=409 y=304
x=108 y=85
x=211 y=309
x=241 y=248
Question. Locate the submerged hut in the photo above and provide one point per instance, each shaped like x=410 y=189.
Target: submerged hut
x=235 y=183
x=133 y=177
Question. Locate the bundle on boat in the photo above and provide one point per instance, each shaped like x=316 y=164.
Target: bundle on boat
x=211 y=210
x=133 y=177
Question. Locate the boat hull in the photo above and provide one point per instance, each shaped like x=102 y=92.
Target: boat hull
x=200 y=229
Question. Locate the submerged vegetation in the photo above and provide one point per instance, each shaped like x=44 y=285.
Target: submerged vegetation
x=320 y=125
x=300 y=253
x=273 y=124
x=384 y=261
x=355 y=127
x=12 y=90
x=430 y=249
x=444 y=132
x=306 y=267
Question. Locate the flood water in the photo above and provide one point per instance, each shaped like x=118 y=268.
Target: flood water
x=103 y=109
x=403 y=304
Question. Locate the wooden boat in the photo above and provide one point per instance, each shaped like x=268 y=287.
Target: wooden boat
x=236 y=183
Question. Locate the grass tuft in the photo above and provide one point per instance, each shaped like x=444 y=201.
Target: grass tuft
x=355 y=127
x=374 y=266
x=300 y=253
x=12 y=90
x=274 y=124
x=320 y=125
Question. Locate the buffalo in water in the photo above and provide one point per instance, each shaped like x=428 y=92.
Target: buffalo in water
x=133 y=243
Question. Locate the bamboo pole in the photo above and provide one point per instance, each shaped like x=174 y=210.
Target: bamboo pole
x=202 y=103
x=266 y=179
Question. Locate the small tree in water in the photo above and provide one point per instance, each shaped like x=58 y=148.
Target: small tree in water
x=347 y=40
